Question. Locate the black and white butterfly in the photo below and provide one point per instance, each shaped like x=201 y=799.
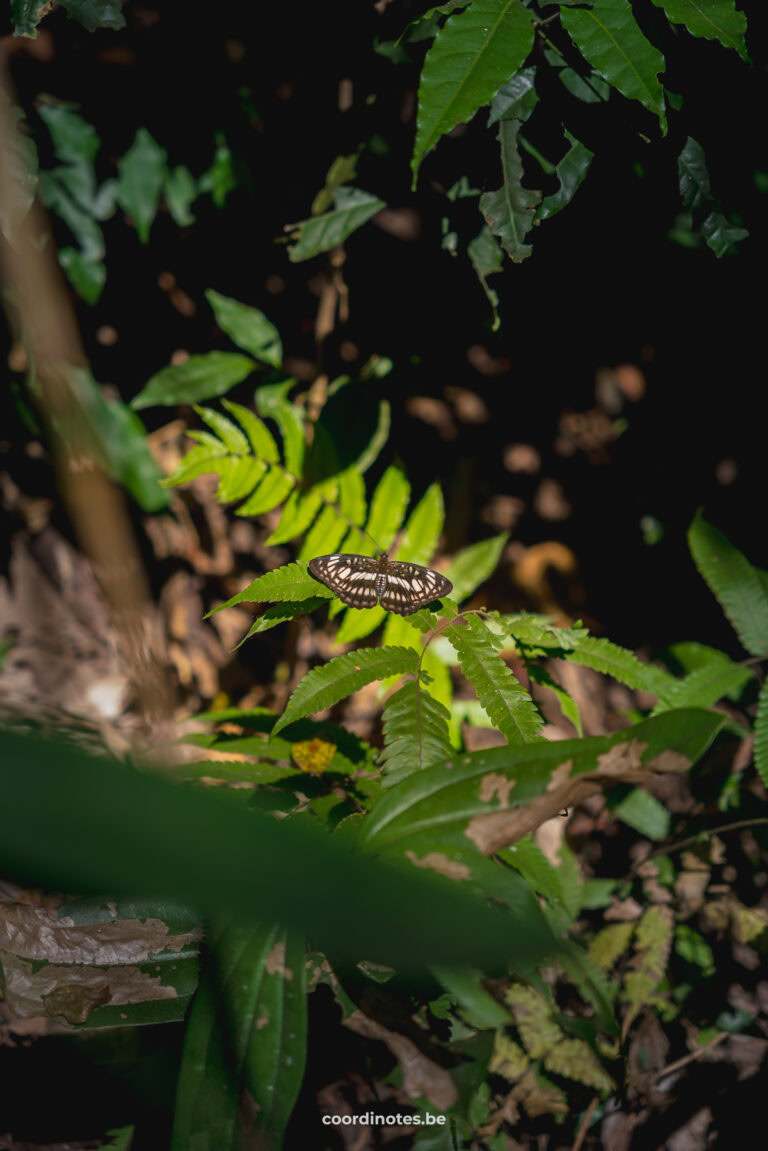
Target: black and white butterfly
x=361 y=581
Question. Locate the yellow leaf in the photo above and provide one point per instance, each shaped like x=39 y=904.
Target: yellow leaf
x=313 y=755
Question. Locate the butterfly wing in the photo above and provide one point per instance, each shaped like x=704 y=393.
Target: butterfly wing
x=411 y=586
x=352 y=578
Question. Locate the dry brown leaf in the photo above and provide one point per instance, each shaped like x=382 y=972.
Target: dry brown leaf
x=421 y=1076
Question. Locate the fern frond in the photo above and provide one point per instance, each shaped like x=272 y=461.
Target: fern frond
x=415 y=732
x=568 y=705
x=271 y=492
x=259 y=436
x=289 y=582
x=388 y=505
x=298 y=515
x=621 y=664
x=704 y=686
x=735 y=582
x=538 y=631
x=229 y=434
x=280 y=613
x=326 y=685
x=505 y=700
x=325 y=535
x=761 y=734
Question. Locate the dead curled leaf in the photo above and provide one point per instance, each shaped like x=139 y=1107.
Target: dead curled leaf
x=421 y=1076
x=623 y=763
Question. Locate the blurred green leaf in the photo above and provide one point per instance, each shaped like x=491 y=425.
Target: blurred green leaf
x=86 y=275
x=26 y=14
x=197 y=378
x=476 y=1004
x=475 y=52
x=93 y=14
x=486 y=256
x=247 y=327
x=245 y=1044
x=644 y=813
x=142 y=175
x=180 y=191
x=72 y=823
x=342 y=170
x=472 y=566
x=220 y=179
x=352 y=208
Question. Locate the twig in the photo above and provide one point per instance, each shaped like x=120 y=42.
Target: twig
x=705 y=834
x=679 y=1063
x=581 y=1134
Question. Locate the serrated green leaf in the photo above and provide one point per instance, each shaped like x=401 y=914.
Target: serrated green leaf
x=325 y=535
x=298 y=514
x=710 y=19
x=570 y=171
x=415 y=732
x=472 y=566
x=261 y=439
x=238 y=476
x=761 y=734
x=644 y=813
x=475 y=52
x=201 y=460
x=575 y=1059
x=271 y=492
x=180 y=191
x=510 y=211
x=504 y=699
x=281 y=613
x=568 y=705
x=245 y=1043
x=544 y=878
x=289 y=582
x=388 y=505
x=704 y=686
x=230 y=436
x=734 y=581
x=609 y=38
x=198 y=378
x=352 y=208
x=142 y=174
x=248 y=328
x=621 y=664
x=326 y=685
x=610 y=944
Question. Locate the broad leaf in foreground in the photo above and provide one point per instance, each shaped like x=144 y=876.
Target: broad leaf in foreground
x=710 y=19
x=245 y=1043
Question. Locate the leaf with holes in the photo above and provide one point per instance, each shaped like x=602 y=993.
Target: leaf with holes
x=510 y=211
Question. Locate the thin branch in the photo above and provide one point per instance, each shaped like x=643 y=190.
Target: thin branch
x=690 y=1058
x=581 y=1134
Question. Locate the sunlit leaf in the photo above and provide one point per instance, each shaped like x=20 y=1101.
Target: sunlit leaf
x=197 y=378
x=247 y=327
x=289 y=582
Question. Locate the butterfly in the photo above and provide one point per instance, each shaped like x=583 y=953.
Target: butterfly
x=361 y=581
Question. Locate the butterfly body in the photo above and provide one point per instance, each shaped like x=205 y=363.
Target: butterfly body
x=364 y=581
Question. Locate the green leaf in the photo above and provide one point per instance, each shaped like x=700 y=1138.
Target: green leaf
x=508 y=704
x=326 y=685
x=693 y=948
x=290 y=422
x=644 y=813
x=476 y=1004
x=180 y=192
x=245 y=1043
x=516 y=99
x=446 y=800
x=281 y=613
x=271 y=492
x=388 y=505
x=93 y=14
x=261 y=439
x=543 y=877
x=415 y=732
x=570 y=171
x=230 y=436
x=761 y=734
x=324 y=537
x=510 y=211
x=142 y=174
x=608 y=37
x=710 y=19
x=86 y=275
x=248 y=328
x=289 y=582
x=75 y=141
x=474 y=565
x=696 y=195
x=238 y=476
x=299 y=512
x=342 y=170
x=352 y=208
x=63 y=809
x=486 y=256
x=475 y=52
x=621 y=664
x=568 y=705
x=198 y=378
x=220 y=179
x=26 y=14
x=734 y=581
x=704 y=686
